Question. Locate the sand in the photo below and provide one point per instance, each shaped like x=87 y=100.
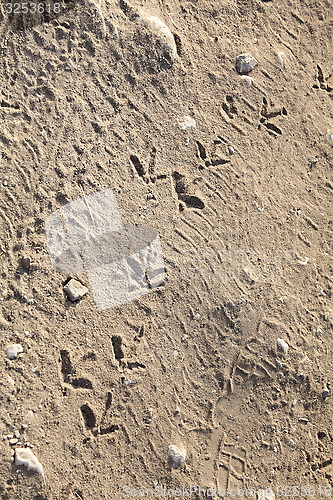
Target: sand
x=92 y=99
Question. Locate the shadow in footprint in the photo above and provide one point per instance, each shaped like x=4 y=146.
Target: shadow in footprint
x=181 y=188
x=88 y=416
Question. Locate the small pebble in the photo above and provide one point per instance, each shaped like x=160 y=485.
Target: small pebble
x=303 y=262
x=166 y=45
x=249 y=275
x=26 y=263
x=187 y=122
x=75 y=290
x=245 y=63
x=231 y=150
x=13 y=441
x=329 y=135
x=325 y=393
x=282 y=346
x=28 y=418
x=176 y=456
x=303 y=420
x=291 y=443
x=25 y=457
x=13 y=350
x=247 y=80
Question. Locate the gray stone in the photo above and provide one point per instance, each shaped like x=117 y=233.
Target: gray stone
x=26 y=263
x=245 y=63
x=176 y=456
x=326 y=392
x=75 y=290
x=13 y=350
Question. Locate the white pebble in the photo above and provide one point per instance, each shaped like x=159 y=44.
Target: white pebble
x=176 y=456
x=187 y=122
x=75 y=290
x=291 y=443
x=25 y=457
x=13 y=350
x=329 y=135
x=166 y=45
x=247 y=80
x=303 y=262
x=282 y=345
x=280 y=59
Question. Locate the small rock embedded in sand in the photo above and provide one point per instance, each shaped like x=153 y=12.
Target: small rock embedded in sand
x=187 y=122
x=11 y=381
x=329 y=135
x=13 y=350
x=176 y=456
x=280 y=58
x=166 y=45
x=247 y=80
x=26 y=263
x=282 y=346
x=291 y=443
x=245 y=63
x=75 y=290
x=326 y=392
x=25 y=457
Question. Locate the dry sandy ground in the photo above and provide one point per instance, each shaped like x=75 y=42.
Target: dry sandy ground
x=246 y=237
